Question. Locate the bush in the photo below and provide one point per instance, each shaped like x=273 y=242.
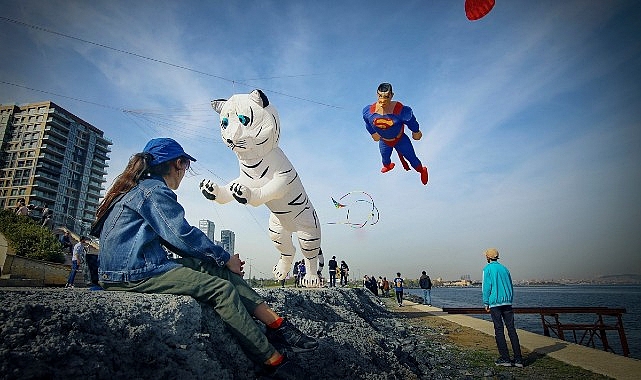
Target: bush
x=27 y=238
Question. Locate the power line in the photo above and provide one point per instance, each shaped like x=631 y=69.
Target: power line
x=62 y=96
x=42 y=29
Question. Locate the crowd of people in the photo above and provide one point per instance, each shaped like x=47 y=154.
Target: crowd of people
x=83 y=258
x=44 y=218
x=336 y=271
x=382 y=287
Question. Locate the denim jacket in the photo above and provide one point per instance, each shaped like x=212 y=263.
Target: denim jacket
x=139 y=226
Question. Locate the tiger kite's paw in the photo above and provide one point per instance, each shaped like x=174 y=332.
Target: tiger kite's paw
x=209 y=189
x=311 y=281
x=282 y=268
x=241 y=193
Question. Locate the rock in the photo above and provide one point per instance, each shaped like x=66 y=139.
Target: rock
x=61 y=334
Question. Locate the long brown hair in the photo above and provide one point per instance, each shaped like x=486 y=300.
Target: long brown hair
x=138 y=168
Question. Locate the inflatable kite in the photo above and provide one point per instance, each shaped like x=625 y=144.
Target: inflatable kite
x=385 y=121
x=360 y=209
x=476 y=9
x=250 y=126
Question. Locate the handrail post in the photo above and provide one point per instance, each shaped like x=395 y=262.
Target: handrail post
x=604 y=337
x=559 y=327
x=622 y=338
x=546 y=329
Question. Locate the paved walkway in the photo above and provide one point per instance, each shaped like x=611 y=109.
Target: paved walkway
x=597 y=361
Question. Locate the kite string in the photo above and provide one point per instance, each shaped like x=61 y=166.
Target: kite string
x=374 y=215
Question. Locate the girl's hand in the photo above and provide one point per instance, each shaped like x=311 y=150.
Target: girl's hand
x=235 y=264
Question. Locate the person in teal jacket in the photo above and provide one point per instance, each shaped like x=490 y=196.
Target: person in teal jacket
x=497 y=299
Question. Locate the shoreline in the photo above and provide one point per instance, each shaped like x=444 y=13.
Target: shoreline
x=545 y=357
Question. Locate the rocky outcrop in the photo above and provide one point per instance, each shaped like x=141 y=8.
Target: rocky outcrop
x=62 y=334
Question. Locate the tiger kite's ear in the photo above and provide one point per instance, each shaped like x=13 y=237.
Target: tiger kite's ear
x=218 y=104
x=259 y=98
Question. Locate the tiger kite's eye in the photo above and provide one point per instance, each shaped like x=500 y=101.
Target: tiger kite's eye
x=244 y=120
x=224 y=122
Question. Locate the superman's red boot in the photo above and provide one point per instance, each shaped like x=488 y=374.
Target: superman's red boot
x=423 y=171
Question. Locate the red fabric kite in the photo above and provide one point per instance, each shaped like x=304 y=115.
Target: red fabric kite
x=476 y=9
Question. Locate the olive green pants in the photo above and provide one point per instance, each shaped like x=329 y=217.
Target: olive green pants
x=230 y=296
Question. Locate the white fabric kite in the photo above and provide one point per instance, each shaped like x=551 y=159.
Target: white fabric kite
x=250 y=126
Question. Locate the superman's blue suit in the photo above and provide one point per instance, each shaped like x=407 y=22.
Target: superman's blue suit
x=391 y=129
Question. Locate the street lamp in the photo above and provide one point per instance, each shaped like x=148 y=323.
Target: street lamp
x=249 y=259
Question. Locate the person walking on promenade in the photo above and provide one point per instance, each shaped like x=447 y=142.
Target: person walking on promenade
x=344 y=273
x=426 y=284
x=302 y=271
x=47 y=222
x=373 y=285
x=398 y=287
x=92 y=268
x=332 y=265
x=21 y=208
x=497 y=299
x=43 y=214
x=295 y=274
x=385 y=287
x=77 y=258
x=65 y=240
x=140 y=217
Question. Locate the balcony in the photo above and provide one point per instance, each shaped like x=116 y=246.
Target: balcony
x=102 y=147
x=94 y=185
x=98 y=155
x=98 y=162
x=47 y=169
x=58 y=123
x=55 y=141
x=52 y=151
x=99 y=171
x=47 y=157
x=53 y=131
x=45 y=181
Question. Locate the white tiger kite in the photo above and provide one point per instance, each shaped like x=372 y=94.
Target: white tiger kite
x=250 y=126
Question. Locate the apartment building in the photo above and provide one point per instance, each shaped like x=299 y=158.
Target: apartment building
x=208 y=227
x=228 y=240
x=49 y=156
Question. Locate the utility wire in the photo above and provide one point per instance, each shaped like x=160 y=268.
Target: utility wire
x=42 y=29
x=62 y=96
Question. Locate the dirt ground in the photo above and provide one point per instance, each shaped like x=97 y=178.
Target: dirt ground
x=480 y=349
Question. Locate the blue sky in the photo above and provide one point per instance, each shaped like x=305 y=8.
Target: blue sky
x=530 y=116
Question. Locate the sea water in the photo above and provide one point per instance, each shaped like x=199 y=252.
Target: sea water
x=613 y=296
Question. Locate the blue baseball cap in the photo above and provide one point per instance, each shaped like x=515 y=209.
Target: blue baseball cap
x=164 y=149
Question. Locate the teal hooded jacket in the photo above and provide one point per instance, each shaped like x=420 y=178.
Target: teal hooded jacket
x=497 y=285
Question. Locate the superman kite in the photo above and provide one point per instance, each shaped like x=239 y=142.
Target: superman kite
x=385 y=120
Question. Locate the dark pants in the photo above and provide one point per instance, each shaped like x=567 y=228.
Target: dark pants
x=332 y=278
x=501 y=314
x=343 y=278
x=92 y=264
x=399 y=296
